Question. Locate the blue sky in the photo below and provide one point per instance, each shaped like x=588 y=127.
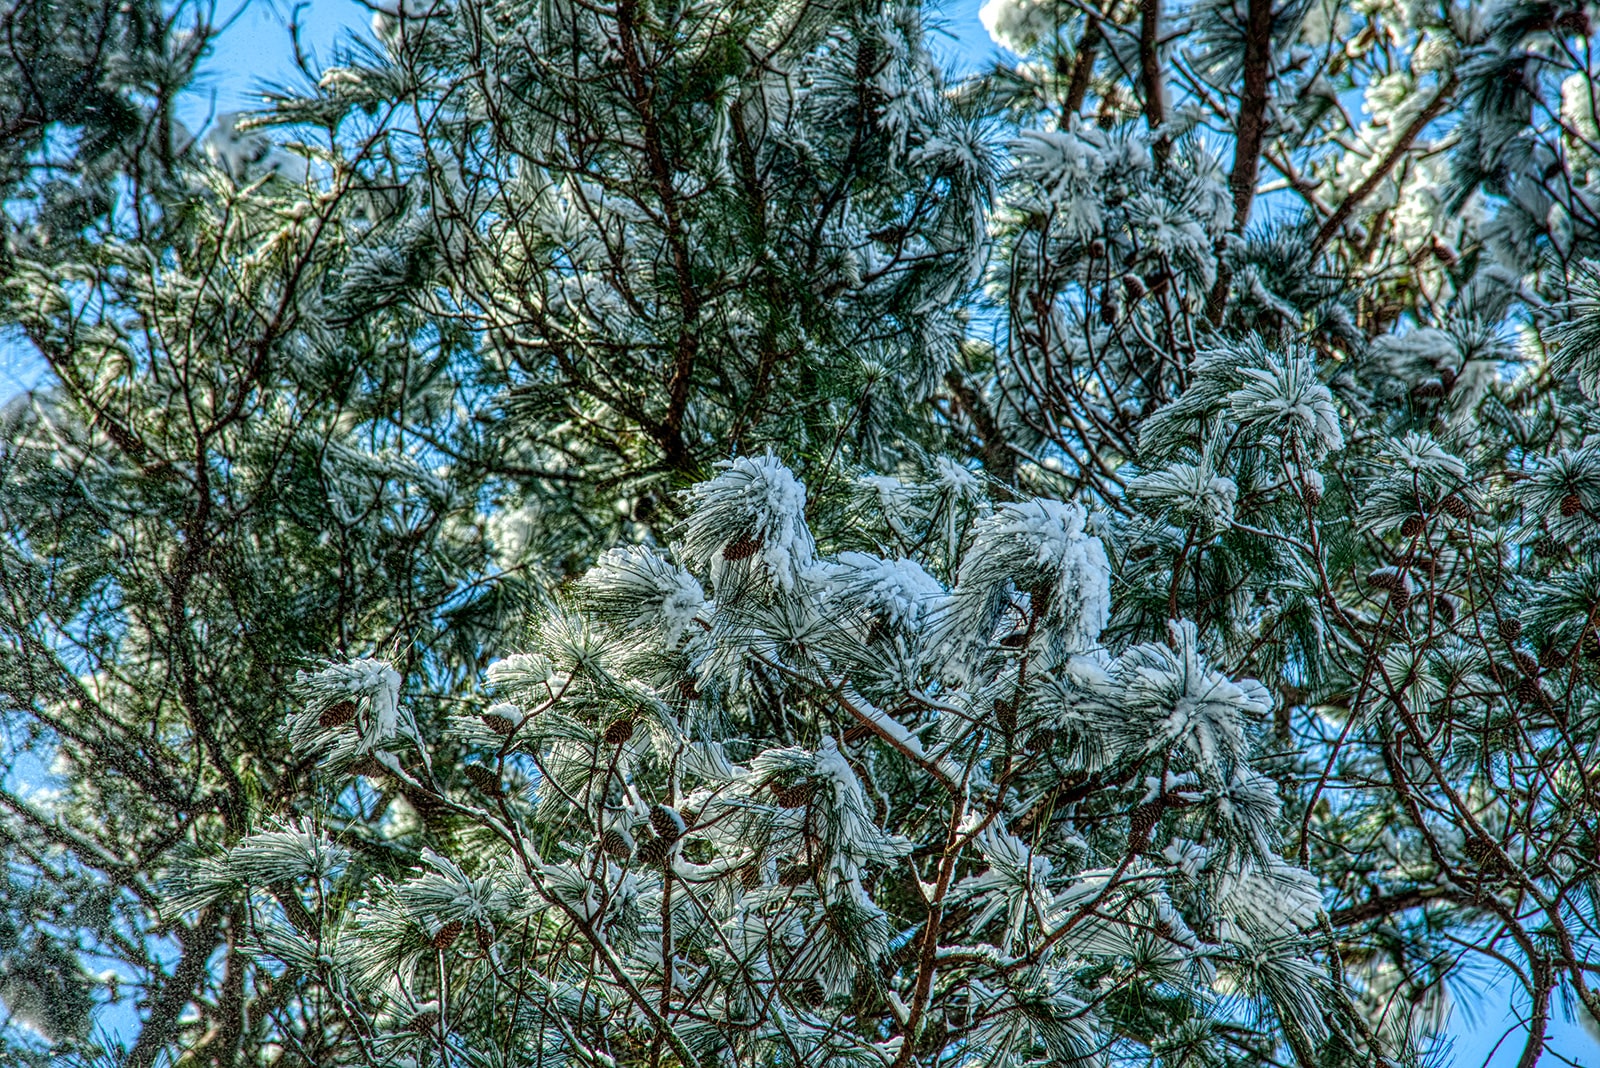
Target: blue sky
x=256 y=50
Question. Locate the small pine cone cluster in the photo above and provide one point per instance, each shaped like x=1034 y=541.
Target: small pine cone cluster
x=742 y=548
x=485 y=780
x=619 y=731
x=794 y=795
x=337 y=715
x=447 y=935
x=615 y=844
x=1455 y=507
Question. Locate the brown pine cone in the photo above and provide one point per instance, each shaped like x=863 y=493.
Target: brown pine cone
x=1385 y=578
x=1455 y=507
x=1428 y=389
x=1551 y=657
x=742 y=548
x=666 y=822
x=1509 y=627
x=499 y=724
x=795 y=795
x=793 y=874
x=424 y=1022
x=1413 y=525
x=654 y=851
x=750 y=877
x=1547 y=546
x=1141 y=822
x=337 y=715
x=484 y=936
x=485 y=780
x=1529 y=692
x=615 y=844
x=1312 y=494
x=813 y=991
x=1005 y=714
x=1571 y=505
x=1525 y=663
x=448 y=934
x=1400 y=600
x=618 y=731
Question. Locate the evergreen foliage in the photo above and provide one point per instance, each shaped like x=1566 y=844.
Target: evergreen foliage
x=674 y=533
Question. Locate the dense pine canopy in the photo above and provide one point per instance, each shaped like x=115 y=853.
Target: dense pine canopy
x=673 y=533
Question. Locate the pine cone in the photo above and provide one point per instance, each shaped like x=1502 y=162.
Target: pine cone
x=1005 y=714
x=1413 y=525
x=1591 y=646
x=795 y=795
x=485 y=780
x=742 y=548
x=1312 y=494
x=1041 y=740
x=1483 y=855
x=1547 y=546
x=1551 y=658
x=337 y=715
x=1400 y=600
x=618 y=731
x=448 y=934
x=1133 y=287
x=1529 y=692
x=654 y=851
x=1428 y=389
x=615 y=844
x=1509 y=627
x=499 y=724
x=793 y=874
x=813 y=991
x=1141 y=822
x=1445 y=608
x=687 y=690
x=1571 y=505
x=484 y=937
x=750 y=877
x=424 y=1022
x=1525 y=663
x=1455 y=507
x=1108 y=306
x=1097 y=249
x=666 y=822
x=1385 y=578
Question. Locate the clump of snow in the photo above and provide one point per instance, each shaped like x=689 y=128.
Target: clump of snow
x=753 y=513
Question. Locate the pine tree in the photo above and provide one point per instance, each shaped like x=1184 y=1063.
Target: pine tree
x=864 y=812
